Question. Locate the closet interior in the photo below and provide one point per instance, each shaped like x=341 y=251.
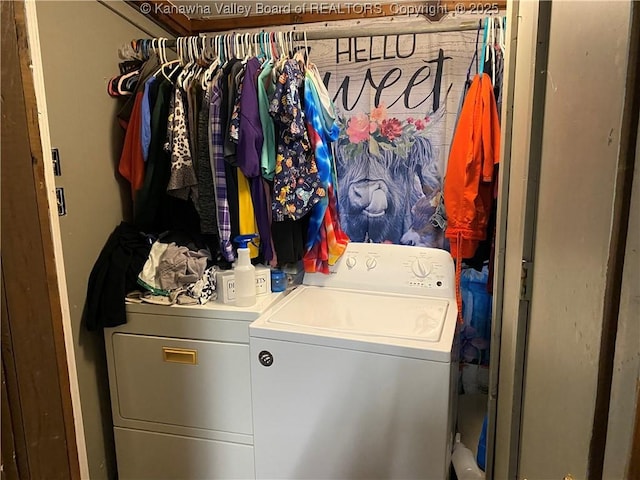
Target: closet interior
x=237 y=135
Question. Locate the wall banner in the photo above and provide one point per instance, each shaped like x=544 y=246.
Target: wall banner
x=397 y=99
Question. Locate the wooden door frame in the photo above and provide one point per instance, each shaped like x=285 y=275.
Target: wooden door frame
x=506 y=395
x=165 y=14
x=616 y=261
x=37 y=402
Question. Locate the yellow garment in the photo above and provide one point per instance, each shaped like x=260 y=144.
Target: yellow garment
x=247 y=215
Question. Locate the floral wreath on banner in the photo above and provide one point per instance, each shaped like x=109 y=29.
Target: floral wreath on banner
x=377 y=133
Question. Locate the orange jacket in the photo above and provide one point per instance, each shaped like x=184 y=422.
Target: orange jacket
x=468 y=184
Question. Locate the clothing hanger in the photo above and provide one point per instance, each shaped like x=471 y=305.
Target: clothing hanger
x=270 y=39
x=236 y=48
x=141 y=45
x=182 y=55
x=504 y=29
x=246 y=50
x=287 y=47
x=184 y=61
x=502 y=37
x=280 y=44
x=220 y=46
x=236 y=45
x=176 y=62
x=161 y=57
x=290 y=43
x=203 y=48
x=475 y=54
x=185 y=50
x=221 y=50
x=196 y=67
x=257 y=40
x=207 y=76
x=199 y=60
x=284 y=55
x=261 y=46
x=122 y=81
x=146 y=49
x=273 y=41
x=299 y=57
x=253 y=50
x=283 y=48
x=179 y=50
x=492 y=49
x=231 y=54
x=264 y=38
x=484 y=45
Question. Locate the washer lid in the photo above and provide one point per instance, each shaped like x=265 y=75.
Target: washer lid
x=326 y=315
x=363 y=313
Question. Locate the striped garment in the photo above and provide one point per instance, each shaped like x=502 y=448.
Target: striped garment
x=216 y=153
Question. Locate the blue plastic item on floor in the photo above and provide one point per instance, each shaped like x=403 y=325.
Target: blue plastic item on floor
x=481 y=457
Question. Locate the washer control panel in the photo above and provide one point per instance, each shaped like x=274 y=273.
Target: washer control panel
x=392 y=269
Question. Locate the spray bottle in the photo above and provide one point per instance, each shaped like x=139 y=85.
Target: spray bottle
x=245 y=273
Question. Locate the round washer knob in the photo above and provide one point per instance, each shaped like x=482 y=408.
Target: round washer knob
x=351 y=262
x=371 y=263
x=420 y=267
x=266 y=358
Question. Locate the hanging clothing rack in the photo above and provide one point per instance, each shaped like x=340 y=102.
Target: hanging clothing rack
x=382 y=30
x=182 y=135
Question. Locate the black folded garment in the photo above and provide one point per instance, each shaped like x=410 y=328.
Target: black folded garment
x=114 y=274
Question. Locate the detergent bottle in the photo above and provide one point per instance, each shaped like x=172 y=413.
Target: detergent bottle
x=245 y=273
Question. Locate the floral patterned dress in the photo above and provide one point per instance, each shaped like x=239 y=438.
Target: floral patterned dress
x=296 y=184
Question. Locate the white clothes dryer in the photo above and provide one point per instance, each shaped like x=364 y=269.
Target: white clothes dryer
x=354 y=373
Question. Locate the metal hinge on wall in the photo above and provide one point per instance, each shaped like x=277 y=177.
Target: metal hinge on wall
x=62 y=205
x=526 y=280
x=55 y=158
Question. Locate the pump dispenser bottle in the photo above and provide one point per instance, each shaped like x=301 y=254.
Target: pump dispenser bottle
x=245 y=273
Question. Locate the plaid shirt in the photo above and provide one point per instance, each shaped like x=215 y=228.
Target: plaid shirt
x=216 y=153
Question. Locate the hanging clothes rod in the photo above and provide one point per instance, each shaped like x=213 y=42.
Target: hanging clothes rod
x=385 y=30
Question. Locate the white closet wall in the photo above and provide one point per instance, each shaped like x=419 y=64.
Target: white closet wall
x=79 y=43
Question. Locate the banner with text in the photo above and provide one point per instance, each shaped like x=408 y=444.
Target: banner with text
x=397 y=99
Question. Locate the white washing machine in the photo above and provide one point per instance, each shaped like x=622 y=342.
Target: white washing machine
x=354 y=374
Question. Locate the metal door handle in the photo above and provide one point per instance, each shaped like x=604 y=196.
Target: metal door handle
x=180 y=355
